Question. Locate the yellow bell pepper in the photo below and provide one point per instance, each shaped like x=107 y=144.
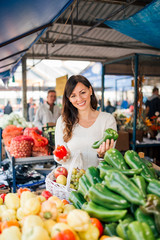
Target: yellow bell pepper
x=31 y=206
x=35 y=233
x=58 y=227
x=12 y=233
x=41 y=198
x=91 y=233
x=48 y=224
x=78 y=220
x=20 y=214
x=32 y=221
x=68 y=208
x=12 y=201
x=48 y=210
x=58 y=202
x=8 y=214
x=2 y=209
x=1 y=201
x=25 y=196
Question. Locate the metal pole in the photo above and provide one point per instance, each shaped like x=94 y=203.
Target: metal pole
x=102 y=101
x=24 y=88
x=136 y=58
x=14 y=175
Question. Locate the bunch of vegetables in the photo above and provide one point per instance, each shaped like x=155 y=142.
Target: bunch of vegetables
x=24 y=143
x=26 y=216
x=13 y=119
x=124 y=193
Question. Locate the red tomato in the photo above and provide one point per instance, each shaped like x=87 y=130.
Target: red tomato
x=46 y=194
x=97 y=224
x=65 y=235
x=21 y=190
x=3 y=196
x=60 y=151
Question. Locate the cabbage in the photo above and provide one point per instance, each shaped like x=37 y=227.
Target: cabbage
x=14 y=119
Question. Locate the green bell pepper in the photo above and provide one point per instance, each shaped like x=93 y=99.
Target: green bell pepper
x=108 y=134
x=154 y=187
x=152 y=207
x=139 y=231
x=84 y=186
x=114 y=158
x=129 y=172
x=101 y=195
x=110 y=229
x=102 y=213
x=122 y=228
x=77 y=199
x=142 y=217
x=118 y=182
x=134 y=161
x=140 y=183
x=93 y=175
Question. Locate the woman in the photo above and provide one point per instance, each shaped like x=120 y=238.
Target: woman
x=81 y=124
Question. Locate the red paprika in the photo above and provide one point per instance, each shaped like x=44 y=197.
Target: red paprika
x=60 y=152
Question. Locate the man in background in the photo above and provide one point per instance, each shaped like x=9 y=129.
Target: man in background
x=48 y=113
x=8 y=108
x=153 y=103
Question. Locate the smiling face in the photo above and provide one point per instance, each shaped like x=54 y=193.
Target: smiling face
x=81 y=97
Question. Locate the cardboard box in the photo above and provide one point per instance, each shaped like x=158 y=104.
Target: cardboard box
x=122 y=143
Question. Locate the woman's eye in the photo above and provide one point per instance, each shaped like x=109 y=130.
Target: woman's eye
x=83 y=92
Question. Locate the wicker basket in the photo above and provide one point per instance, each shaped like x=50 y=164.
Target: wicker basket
x=57 y=189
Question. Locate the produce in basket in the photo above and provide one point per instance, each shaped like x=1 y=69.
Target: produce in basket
x=60 y=171
x=21 y=146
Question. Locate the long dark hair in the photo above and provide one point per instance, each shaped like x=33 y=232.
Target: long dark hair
x=69 y=112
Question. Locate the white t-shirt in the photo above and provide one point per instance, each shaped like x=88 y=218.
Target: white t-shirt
x=83 y=138
x=44 y=115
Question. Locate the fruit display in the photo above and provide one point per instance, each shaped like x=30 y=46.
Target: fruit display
x=49 y=133
x=59 y=175
x=123 y=192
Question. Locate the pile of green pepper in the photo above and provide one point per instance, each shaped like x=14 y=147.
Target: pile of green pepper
x=124 y=194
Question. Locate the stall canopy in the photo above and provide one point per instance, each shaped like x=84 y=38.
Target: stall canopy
x=142 y=26
x=112 y=82
x=22 y=24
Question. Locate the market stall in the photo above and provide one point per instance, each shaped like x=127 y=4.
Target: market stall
x=139 y=66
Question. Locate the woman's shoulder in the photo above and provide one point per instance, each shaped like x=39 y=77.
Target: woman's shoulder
x=105 y=115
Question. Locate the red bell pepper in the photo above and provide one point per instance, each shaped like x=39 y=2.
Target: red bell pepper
x=39 y=141
x=60 y=152
x=3 y=195
x=97 y=224
x=66 y=234
x=46 y=194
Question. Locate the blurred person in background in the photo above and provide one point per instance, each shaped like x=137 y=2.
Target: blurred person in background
x=47 y=113
x=8 y=108
x=153 y=103
x=28 y=106
x=32 y=112
x=109 y=108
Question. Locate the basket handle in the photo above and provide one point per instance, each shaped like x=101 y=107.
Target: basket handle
x=75 y=157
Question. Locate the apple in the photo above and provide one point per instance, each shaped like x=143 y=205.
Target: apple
x=61 y=179
x=60 y=171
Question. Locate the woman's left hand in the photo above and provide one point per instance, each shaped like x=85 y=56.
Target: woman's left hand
x=105 y=146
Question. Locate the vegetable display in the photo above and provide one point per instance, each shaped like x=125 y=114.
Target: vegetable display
x=108 y=134
x=124 y=194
